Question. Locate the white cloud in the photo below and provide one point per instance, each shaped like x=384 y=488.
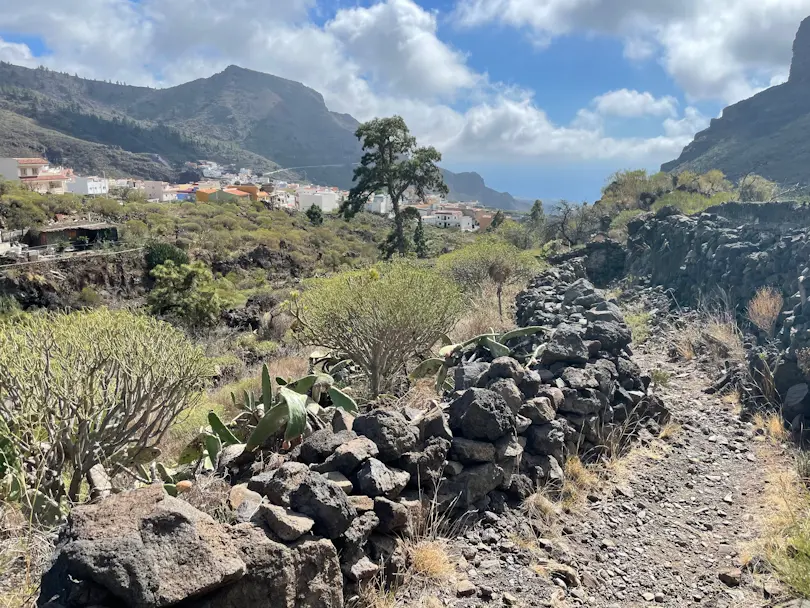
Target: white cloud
x=714 y=50
x=14 y=52
x=397 y=45
x=692 y=122
x=368 y=61
x=627 y=103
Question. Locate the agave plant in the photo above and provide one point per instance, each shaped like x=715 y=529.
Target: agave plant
x=450 y=354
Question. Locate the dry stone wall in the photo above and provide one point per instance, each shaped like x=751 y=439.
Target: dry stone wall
x=311 y=524
x=731 y=253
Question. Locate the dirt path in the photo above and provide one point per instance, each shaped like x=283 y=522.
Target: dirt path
x=673 y=531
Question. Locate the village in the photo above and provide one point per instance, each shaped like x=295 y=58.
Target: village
x=218 y=184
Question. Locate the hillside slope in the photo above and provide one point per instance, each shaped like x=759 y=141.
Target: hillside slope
x=237 y=116
x=768 y=134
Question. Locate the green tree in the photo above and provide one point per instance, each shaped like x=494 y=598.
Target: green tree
x=488 y=259
x=378 y=318
x=88 y=388
x=393 y=163
x=497 y=221
x=419 y=240
x=537 y=216
x=158 y=253
x=185 y=292
x=314 y=215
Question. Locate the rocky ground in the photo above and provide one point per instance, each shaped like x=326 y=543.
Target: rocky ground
x=672 y=526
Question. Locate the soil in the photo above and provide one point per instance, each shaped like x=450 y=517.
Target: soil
x=673 y=526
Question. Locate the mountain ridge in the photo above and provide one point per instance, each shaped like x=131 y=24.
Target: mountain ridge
x=236 y=116
x=767 y=134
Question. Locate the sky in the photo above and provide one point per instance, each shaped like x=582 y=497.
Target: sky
x=544 y=98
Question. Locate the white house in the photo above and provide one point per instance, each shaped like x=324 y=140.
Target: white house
x=35 y=174
x=88 y=186
x=380 y=203
x=450 y=218
x=327 y=200
x=159 y=191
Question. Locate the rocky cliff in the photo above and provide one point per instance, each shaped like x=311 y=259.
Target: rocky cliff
x=768 y=134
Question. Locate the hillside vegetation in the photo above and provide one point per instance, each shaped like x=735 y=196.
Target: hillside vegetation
x=236 y=117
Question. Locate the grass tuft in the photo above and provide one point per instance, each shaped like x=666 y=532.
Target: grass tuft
x=540 y=507
x=772 y=425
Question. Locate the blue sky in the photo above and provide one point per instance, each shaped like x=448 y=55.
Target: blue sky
x=544 y=98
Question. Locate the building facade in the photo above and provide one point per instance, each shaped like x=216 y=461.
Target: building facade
x=35 y=174
x=326 y=200
x=160 y=192
x=88 y=186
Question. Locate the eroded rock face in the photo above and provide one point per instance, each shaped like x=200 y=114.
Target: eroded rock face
x=145 y=548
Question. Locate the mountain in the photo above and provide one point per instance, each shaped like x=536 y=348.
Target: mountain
x=768 y=134
x=471 y=187
x=237 y=116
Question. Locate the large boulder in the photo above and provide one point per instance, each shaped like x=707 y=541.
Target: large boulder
x=470 y=486
x=509 y=392
x=392 y=433
x=305 y=574
x=279 y=484
x=324 y=502
x=466 y=375
x=566 y=344
x=481 y=414
x=612 y=335
x=469 y=451
x=320 y=445
x=582 y=293
x=546 y=440
x=376 y=479
x=145 y=548
x=348 y=457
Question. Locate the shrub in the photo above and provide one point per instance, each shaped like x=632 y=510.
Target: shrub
x=186 y=293
x=314 y=215
x=94 y=387
x=488 y=260
x=378 y=318
x=159 y=253
x=88 y=297
x=764 y=309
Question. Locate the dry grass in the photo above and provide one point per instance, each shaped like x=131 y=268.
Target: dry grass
x=724 y=337
x=733 y=399
x=24 y=554
x=579 y=481
x=421 y=396
x=785 y=539
x=713 y=333
x=430 y=560
x=670 y=430
x=540 y=507
x=209 y=494
x=772 y=425
x=482 y=315
x=764 y=309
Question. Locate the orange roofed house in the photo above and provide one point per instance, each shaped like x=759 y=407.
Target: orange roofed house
x=35 y=174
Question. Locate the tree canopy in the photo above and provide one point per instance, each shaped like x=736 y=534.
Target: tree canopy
x=393 y=163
